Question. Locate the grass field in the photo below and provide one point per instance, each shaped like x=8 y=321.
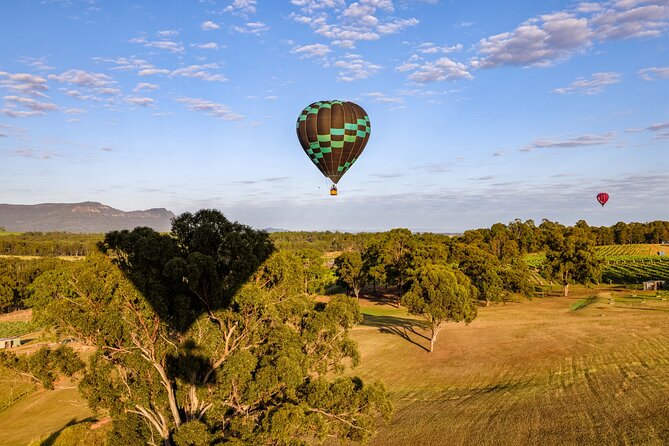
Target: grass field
x=592 y=369
x=547 y=371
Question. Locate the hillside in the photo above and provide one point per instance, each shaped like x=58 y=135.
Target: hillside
x=87 y=216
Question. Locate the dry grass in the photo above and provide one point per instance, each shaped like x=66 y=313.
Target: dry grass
x=67 y=258
x=41 y=413
x=532 y=372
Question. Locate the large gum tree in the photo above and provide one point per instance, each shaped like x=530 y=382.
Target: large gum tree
x=205 y=336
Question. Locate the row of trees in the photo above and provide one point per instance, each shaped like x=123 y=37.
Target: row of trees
x=393 y=259
x=526 y=237
x=16 y=278
x=48 y=244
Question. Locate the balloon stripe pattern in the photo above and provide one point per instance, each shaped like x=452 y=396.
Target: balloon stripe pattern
x=602 y=198
x=333 y=134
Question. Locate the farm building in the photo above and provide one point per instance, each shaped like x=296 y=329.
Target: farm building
x=10 y=342
x=653 y=285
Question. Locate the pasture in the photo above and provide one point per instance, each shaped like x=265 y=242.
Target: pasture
x=579 y=370
x=591 y=369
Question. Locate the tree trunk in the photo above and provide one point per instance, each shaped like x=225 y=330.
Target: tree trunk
x=566 y=289
x=487 y=302
x=433 y=339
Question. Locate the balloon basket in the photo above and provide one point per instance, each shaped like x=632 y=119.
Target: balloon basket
x=333 y=190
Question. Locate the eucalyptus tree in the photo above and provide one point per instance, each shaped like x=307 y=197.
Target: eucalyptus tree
x=440 y=294
x=205 y=336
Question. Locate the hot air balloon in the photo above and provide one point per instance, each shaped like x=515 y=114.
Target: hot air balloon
x=602 y=197
x=333 y=134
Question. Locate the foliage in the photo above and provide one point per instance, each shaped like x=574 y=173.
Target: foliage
x=16 y=276
x=440 y=294
x=204 y=336
x=10 y=329
x=317 y=276
x=43 y=366
x=571 y=258
x=350 y=271
x=48 y=244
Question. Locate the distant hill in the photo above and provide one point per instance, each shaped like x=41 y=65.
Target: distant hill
x=88 y=216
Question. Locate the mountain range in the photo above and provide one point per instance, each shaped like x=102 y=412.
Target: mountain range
x=88 y=216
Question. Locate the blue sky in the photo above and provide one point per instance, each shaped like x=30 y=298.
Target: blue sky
x=481 y=111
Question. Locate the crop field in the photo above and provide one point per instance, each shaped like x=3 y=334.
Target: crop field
x=635 y=272
x=632 y=250
x=592 y=369
x=623 y=264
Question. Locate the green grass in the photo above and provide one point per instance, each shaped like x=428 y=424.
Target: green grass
x=3 y=233
x=582 y=303
x=39 y=413
x=10 y=329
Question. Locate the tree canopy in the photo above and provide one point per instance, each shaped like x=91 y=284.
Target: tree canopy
x=205 y=336
x=440 y=294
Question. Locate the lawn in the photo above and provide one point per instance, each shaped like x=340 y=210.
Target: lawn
x=533 y=372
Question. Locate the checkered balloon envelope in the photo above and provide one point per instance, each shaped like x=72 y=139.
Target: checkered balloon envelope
x=333 y=134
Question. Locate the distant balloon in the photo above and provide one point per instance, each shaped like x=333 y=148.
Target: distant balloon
x=333 y=134
x=602 y=197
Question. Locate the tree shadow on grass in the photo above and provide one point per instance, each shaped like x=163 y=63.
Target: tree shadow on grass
x=51 y=439
x=400 y=326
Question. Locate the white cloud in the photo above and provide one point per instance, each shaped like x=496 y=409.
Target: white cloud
x=30 y=153
x=345 y=25
x=199 y=72
x=628 y=20
x=24 y=83
x=84 y=79
x=659 y=130
x=74 y=111
x=251 y=28
x=168 y=33
x=12 y=113
x=145 y=86
x=241 y=7
x=382 y=97
x=269 y=97
x=153 y=71
x=209 y=25
x=206 y=46
x=431 y=48
x=551 y=38
x=220 y=111
x=538 y=42
x=126 y=63
x=36 y=63
x=592 y=86
x=654 y=73
x=141 y=101
x=314 y=50
x=579 y=141
x=439 y=70
x=354 y=67
x=166 y=45
x=29 y=103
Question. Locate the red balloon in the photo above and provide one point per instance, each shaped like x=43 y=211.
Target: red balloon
x=602 y=197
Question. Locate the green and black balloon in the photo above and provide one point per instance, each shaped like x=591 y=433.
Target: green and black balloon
x=333 y=134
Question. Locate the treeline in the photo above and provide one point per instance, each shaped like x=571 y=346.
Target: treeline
x=505 y=240
x=16 y=279
x=48 y=244
x=393 y=260
x=526 y=237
